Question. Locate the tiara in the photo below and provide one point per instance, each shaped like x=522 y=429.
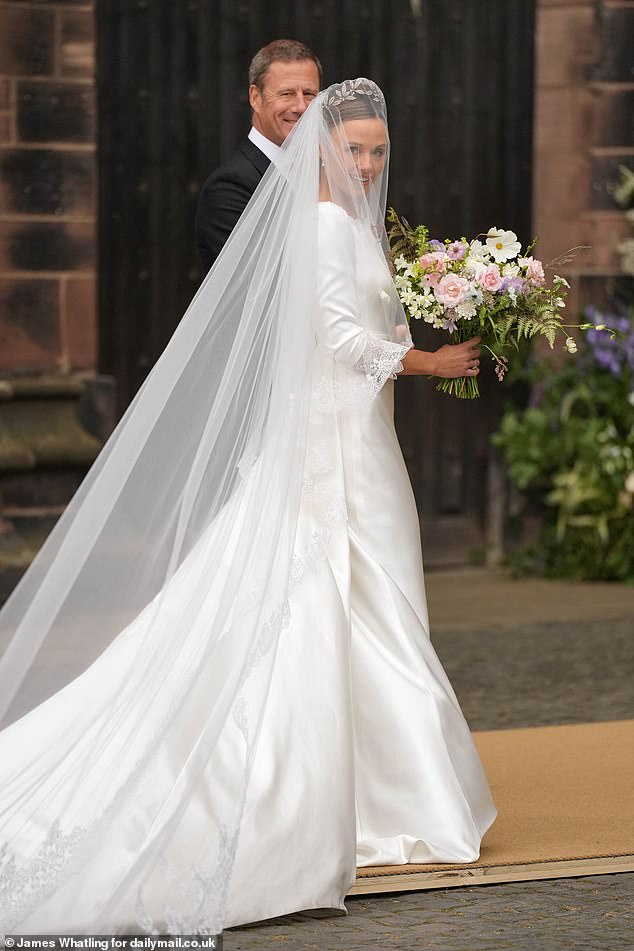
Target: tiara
x=351 y=88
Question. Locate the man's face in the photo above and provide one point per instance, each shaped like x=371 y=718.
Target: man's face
x=289 y=88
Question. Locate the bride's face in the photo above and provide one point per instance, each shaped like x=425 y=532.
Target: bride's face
x=366 y=149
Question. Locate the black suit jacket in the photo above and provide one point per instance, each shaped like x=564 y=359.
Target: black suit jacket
x=224 y=197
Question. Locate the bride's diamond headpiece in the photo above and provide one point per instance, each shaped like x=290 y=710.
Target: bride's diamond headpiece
x=351 y=89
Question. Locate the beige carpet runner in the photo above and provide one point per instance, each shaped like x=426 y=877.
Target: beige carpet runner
x=565 y=799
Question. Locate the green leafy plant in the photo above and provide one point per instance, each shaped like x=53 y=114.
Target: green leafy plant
x=570 y=454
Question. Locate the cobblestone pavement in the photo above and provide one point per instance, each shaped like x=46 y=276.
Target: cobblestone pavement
x=507 y=674
x=540 y=674
x=596 y=912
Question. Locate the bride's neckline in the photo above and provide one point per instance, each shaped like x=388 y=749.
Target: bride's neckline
x=329 y=201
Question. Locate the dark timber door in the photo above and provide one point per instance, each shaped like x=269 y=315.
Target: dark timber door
x=458 y=79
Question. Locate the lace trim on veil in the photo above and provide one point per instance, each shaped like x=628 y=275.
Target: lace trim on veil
x=62 y=855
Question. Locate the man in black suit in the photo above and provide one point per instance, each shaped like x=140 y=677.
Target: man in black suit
x=284 y=78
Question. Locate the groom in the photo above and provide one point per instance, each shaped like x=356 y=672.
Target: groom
x=284 y=78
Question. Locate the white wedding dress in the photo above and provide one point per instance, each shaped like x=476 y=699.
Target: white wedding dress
x=364 y=757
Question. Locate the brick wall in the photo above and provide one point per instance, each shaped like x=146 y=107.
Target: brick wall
x=583 y=130
x=47 y=187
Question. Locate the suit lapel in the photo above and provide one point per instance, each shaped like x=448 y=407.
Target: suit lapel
x=254 y=155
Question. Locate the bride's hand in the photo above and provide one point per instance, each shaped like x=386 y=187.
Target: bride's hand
x=457 y=359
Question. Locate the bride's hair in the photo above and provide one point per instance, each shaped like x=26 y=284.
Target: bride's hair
x=343 y=103
x=361 y=108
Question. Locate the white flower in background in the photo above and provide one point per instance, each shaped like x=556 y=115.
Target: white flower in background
x=630 y=398
x=607 y=433
x=571 y=346
x=629 y=483
x=502 y=245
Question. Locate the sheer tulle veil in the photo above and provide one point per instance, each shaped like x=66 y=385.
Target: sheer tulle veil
x=219 y=427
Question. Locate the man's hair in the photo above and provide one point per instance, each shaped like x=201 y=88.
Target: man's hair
x=279 y=51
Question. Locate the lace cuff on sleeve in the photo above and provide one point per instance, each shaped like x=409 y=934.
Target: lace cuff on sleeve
x=380 y=361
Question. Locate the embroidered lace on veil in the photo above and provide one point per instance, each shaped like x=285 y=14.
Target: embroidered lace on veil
x=219 y=427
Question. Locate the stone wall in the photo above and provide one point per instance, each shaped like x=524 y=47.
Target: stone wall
x=584 y=108
x=48 y=316
x=54 y=410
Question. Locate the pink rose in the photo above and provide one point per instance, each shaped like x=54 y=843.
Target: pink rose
x=490 y=278
x=434 y=264
x=451 y=290
x=534 y=271
x=434 y=261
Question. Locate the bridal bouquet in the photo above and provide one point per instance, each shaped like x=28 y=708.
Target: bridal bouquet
x=485 y=287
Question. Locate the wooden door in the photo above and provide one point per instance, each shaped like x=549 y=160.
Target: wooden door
x=458 y=79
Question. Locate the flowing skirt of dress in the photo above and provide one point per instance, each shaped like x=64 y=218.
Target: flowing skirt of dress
x=364 y=757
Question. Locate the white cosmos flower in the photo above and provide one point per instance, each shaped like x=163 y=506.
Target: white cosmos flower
x=502 y=245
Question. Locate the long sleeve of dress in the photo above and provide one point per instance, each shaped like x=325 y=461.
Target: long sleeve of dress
x=342 y=304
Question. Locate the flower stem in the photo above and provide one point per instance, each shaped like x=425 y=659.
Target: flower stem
x=463 y=387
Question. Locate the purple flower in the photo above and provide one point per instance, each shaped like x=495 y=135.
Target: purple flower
x=457 y=250
x=612 y=354
x=436 y=245
x=516 y=283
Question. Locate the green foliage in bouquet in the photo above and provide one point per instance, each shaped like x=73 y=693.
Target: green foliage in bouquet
x=405 y=240
x=571 y=455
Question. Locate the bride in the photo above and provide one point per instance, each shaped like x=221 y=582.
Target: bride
x=218 y=687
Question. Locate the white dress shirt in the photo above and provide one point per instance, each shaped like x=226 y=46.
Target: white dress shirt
x=270 y=149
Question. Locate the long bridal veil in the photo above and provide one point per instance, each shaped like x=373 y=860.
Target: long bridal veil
x=154 y=688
